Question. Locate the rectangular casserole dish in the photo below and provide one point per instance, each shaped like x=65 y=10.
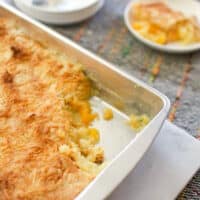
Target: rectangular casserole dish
x=123 y=93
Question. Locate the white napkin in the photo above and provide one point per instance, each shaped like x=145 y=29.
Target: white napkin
x=165 y=170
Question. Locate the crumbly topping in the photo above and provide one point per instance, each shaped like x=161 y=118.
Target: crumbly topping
x=45 y=115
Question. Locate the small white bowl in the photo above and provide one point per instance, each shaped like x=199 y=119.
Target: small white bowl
x=65 y=13
x=188 y=7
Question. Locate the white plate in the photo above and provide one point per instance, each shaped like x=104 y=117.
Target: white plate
x=188 y=7
x=65 y=12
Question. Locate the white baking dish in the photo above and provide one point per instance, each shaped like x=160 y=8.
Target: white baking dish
x=124 y=93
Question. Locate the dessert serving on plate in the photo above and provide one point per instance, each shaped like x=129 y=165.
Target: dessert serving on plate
x=163 y=25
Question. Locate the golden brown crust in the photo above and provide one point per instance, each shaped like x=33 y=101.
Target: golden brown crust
x=159 y=14
x=37 y=87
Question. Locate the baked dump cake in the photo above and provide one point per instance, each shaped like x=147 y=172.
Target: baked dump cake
x=48 y=149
